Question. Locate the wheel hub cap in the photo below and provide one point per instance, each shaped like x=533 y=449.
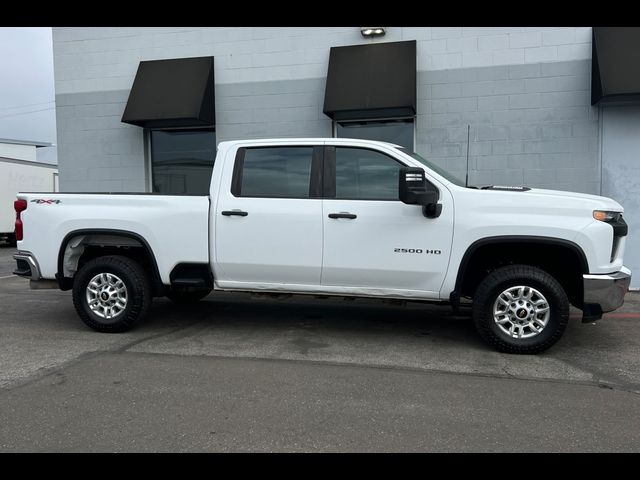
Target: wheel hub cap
x=107 y=295
x=521 y=312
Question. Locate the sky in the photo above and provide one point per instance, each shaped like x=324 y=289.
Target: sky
x=27 y=96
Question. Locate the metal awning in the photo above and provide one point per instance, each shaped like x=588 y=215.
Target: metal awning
x=172 y=93
x=615 y=70
x=371 y=81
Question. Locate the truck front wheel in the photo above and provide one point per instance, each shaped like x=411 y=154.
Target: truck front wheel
x=111 y=293
x=520 y=309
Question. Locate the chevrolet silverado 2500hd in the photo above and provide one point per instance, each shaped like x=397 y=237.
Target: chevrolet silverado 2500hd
x=336 y=217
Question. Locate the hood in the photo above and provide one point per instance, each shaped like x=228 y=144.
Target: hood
x=604 y=203
x=548 y=198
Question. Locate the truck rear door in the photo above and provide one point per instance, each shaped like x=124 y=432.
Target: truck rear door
x=268 y=218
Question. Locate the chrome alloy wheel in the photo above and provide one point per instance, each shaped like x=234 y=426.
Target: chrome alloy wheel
x=521 y=312
x=107 y=295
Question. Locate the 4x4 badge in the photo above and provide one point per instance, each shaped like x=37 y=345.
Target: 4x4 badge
x=40 y=201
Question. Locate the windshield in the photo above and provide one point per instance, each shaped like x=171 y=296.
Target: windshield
x=440 y=171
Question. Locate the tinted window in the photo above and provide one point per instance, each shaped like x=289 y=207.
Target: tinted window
x=366 y=175
x=282 y=172
x=182 y=160
x=440 y=171
x=399 y=132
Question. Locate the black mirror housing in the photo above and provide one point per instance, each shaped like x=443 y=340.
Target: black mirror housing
x=412 y=183
x=415 y=190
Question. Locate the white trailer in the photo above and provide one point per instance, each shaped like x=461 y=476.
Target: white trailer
x=18 y=175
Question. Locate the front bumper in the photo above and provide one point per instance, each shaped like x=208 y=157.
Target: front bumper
x=605 y=293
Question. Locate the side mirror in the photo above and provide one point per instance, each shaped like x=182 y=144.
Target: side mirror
x=415 y=190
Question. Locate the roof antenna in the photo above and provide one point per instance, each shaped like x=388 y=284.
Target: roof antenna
x=466 y=180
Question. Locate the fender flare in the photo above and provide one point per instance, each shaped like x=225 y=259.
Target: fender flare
x=468 y=254
x=66 y=283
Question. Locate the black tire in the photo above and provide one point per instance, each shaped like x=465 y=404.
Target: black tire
x=186 y=297
x=138 y=293
x=502 y=279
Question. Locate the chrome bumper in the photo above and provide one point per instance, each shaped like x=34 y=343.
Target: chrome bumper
x=607 y=290
x=33 y=270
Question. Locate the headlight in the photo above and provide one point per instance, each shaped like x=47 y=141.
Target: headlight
x=605 y=216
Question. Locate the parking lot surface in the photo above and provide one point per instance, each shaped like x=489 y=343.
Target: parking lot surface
x=235 y=373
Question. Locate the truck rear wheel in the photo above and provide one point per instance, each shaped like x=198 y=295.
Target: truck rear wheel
x=111 y=294
x=520 y=309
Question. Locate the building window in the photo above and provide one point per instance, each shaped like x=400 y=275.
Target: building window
x=182 y=160
x=400 y=131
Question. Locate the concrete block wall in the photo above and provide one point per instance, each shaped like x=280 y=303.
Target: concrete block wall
x=276 y=108
x=100 y=153
x=96 y=151
x=529 y=124
x=523 y=90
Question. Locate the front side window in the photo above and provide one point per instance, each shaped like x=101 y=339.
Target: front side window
x=366 y=175
x=399 y=132
x=182 y=161
x=277 y=172
x=439 y=170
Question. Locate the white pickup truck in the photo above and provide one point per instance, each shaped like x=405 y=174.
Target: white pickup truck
x=333 y=217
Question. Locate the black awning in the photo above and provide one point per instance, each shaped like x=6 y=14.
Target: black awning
x=615 y=64
x=371 y=81
x=172 y=93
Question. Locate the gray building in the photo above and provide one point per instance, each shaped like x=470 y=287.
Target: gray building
x=523 y=95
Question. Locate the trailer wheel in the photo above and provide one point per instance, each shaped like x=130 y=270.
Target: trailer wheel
x=520 y=309
x=111 y=293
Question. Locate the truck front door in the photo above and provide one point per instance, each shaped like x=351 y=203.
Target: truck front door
x=373 y=243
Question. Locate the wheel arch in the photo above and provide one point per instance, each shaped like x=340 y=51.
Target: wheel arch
x=66 y=282
x=514 y=242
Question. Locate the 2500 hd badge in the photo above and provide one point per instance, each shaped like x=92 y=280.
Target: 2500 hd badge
x=416 y=250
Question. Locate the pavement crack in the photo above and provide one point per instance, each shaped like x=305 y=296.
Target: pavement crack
x=127 y=346
x=507 y=373
x=409 y=369
x=602 y=379
x=57 y=370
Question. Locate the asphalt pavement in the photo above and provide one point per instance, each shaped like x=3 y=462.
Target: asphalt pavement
x=234 y=374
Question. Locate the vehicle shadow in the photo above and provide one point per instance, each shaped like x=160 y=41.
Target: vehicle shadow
x=333 y=320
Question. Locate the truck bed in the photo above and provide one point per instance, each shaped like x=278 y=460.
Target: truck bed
x=176 y=227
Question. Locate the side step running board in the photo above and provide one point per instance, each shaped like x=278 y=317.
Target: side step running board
x=189 y=282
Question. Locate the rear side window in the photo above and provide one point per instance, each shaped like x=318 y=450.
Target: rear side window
x=276 y=172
